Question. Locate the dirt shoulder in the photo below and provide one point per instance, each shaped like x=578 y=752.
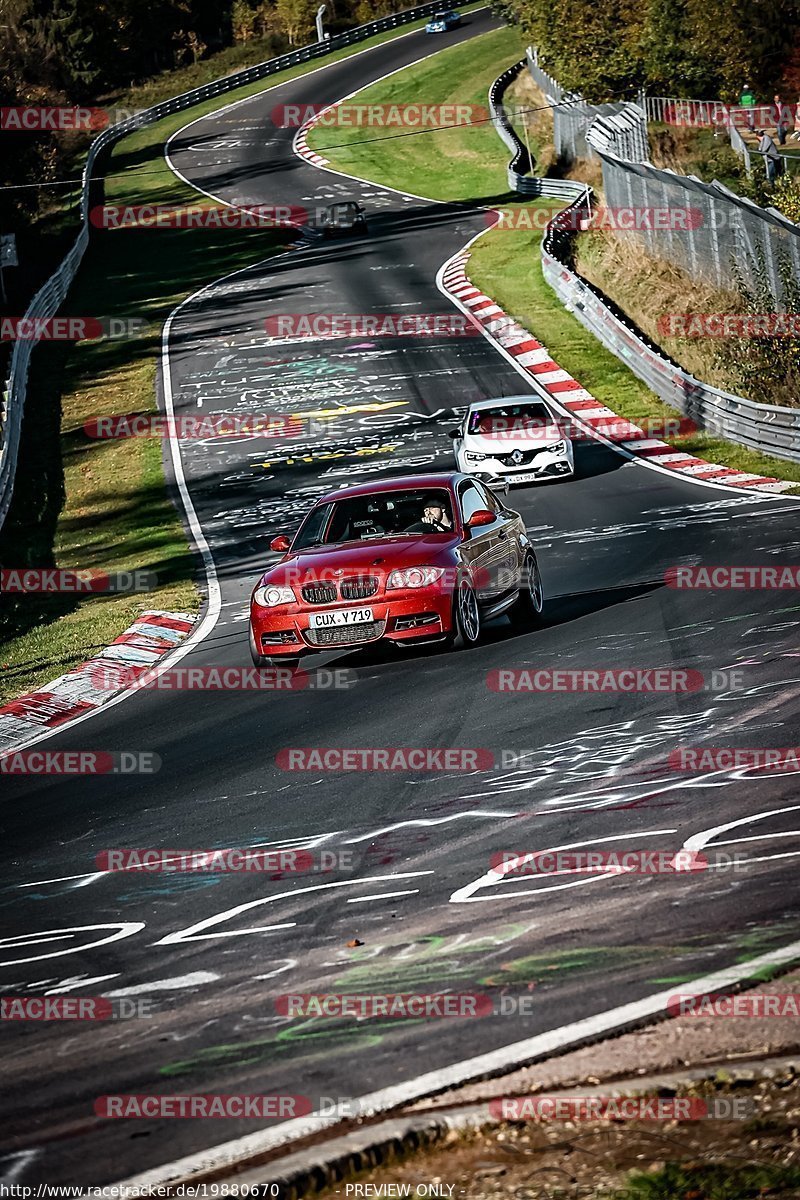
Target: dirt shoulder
x=669 y=1045
x=749 y=1066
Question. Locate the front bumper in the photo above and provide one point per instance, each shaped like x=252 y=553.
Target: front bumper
x=413 y=615
x=544 y=466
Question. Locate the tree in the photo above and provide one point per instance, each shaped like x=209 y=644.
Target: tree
x=61 y=45
x=296 y=19
x=672 y=65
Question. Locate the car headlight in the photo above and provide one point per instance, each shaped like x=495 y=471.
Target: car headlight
x=559 y=448
x=414 y=577
x=470 y=457
x=268 y=597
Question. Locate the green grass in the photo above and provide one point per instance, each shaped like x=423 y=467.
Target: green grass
x=103 y=504
x=716 y=1181
x=506 y=264
x=463 y=163
x=133 y=156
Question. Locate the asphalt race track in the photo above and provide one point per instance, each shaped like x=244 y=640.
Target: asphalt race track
x=596 y=775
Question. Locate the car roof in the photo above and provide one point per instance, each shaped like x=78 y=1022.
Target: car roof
x=447 y=479
x=501 y=401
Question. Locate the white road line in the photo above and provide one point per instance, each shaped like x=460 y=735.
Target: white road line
x=496 y=875
x=576 y=416
x=192 y=932
x=427 y=822
x=458 y=260
x=304 y=128
x=495 y=1062
x=193 y=979
x=214 y=605
x=382 y=896
x=212 y=582
x=19 y=941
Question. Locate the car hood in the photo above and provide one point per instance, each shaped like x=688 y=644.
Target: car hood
x=376 y=557
x=506 y=443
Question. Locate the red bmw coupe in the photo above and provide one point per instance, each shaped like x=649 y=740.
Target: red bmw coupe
x=423 y=558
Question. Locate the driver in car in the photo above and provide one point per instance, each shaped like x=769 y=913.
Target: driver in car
x=434 y=520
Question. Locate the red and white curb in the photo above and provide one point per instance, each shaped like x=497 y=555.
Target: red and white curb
x=149 y=638
x=570 y=395
x=301 y=146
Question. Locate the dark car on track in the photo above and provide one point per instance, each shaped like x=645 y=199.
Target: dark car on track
x=422 y=558
x=342 y=219
x=442 y=21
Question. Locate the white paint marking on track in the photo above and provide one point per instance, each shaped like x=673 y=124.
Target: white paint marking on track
x=288 y=965
x=214 y=604
x=382 y=896
x=238 y=1151
x=304 y=128
x=192 y=934
x=495 y=876
x=193 y=979
x=595 y=433
x=762 y=837
x=13 y=1165
x=81 y=981
x=457 y=264
x=427 y=822
x=699 y=840
x=506 y=1057
x=19 y=941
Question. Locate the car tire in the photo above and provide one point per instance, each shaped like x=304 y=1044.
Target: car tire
x=466 y=628
x=527 y=611
x=264 y=660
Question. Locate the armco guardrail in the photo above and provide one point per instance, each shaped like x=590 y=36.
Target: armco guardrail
x=49 y=298
x=623 y=133
x=765 y=427
x=521 y=163
x=760 y=426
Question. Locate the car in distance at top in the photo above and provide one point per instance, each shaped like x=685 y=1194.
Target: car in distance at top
x=442 y=21
x=421 y=558
x=341 y=219
x=518 y=439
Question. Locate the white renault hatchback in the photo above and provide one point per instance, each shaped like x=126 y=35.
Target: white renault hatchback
x=518 y=439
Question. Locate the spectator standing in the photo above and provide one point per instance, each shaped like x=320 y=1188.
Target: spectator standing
x=772 y=158
x=781 y=124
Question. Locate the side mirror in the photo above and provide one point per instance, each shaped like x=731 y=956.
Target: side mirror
x=481 y=516
x=454 y=433
x=280 y=543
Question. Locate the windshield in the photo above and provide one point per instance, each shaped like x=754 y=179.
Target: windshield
x=380 y=514
x=512 y=420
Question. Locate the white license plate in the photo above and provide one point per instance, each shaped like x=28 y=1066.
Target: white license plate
x=340 y=616
x=521 y=478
